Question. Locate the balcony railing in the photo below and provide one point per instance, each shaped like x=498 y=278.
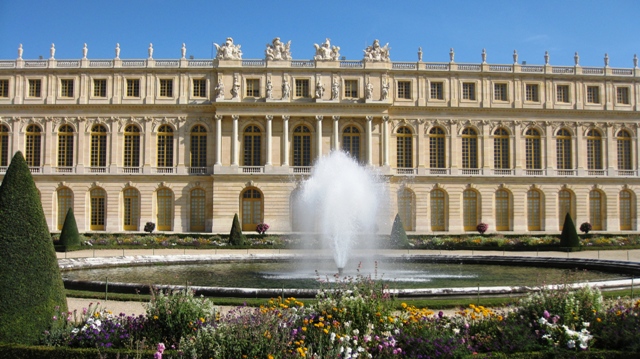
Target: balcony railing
x=252 y=169
x=98 y=170
x=130 y=170
x=626 y=173
x=566 y=172
x=596 y=172
x=164 y=170
x=301 y=169
x=35 y=169
x=503 y=172
x=406 y=171
x=529 y=172
x=198 y=170
x=438 y=171
x=3 y=169
x=65 y=169
x=471 y=171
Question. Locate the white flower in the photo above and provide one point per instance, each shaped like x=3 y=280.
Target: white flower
x=456 y=331
x=571 y=344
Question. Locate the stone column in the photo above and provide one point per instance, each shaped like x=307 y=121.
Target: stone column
x=385 y=141
x=269 y=135
x=234 y=141
x=147 y=147
x=318 y=136
x=580 y=159
x=369 y=141
x=549 y=161
x=610 y=155
x=336 y=133
x=454 y=160
x=115 y=138
x=218 y=140
x=47 y=148
x=285 y=140
x=82 y=154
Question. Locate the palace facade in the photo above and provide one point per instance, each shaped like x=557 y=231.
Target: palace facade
x=187 y=143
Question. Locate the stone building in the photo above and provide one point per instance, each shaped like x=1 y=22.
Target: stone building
x=186 y=143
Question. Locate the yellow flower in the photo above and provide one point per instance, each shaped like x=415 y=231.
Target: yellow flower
x=326 y=331
x=500 y=318
x=155 y=317
x=270 y=356
x=304 y=329
x=598 y=320
x=404 y=305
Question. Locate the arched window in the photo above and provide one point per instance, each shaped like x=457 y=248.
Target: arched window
x=301 y=146
x=501 y=158
x=252 y=148
x=626 y=211
x=534 y=210
x=533 y=149
x=594 y=150
x=199 y=147
x=165 y=209
x=33 y=146
x=131 y=201
x=65 y=146
x=4 y=146
x=252 y=209
x=406 y=209
x=469 y=149
x=565 y=205
x=624 y=150
x=351 y=142
x=437 y=150
x=98 y=146
x=470 y=210
x=165 y=146
x=98 y=204
x=563 y=150
x=131 y=146
x=405 y=148
x=439 y=210
x=503 y=211
x=596 y=210
x=197 y=217
x=65 y=202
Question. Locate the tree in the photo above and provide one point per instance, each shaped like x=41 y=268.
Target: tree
x=69 y=236
x=569 y=236
x=398 y=234
x=30 y=282
x=236 y=238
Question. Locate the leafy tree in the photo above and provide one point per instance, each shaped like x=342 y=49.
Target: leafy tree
x=569 y=236
x=398 y=235
x=149 y=227
x=236 y=238
x=69 y=236
x=30 y=282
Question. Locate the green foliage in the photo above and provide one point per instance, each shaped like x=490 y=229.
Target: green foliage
x=14 y=351
x=398 y=235
x=69 y=236
x=236 y=238
x=569 y=236
x=30 y=282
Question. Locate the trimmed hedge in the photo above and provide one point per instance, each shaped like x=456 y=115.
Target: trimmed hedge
x=398 y=234
x=235 y=236
x=69 y=236
x=30 y=281
x=569 y=236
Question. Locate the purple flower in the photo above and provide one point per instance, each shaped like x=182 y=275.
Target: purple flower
x=546 y=315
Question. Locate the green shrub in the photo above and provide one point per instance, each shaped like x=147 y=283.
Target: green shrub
x=569 y=236
x=236 y=238
x=398 y=235
x=30 y=282
x=69 y=236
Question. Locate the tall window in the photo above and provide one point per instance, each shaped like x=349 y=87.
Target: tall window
x=98 y=146
x=437 y=91
x=66 y=88
x=437 y=149
x=563 y=149
x=33 y=146
x=624 y=150
x=198 y=146
x=405 y=148
x=593 y=94
x=406 y=209
x=351 y=142
x=301 y=146
x=626 y=211
x=562 y=93
x=596 y=210
x=351 y=88
x=469 y=91
x=469 y=148
x=35 y=88
x=439 y=210
x=534 y=210
x=503 y=210
x=166 y=88
x=470 y=210
x=99 y=88
x=302 y=88
x=622 y=95
x=500 y=92
x=501 y=149
x=165 y=209
x=253 y=88
x=133 y=88
x=252 y=209
x=4 y=146
x=404 y=90
x=252 y=137
x=165 y=146
x=4 y=88
x=532 y=93
x=533 y=150
x=132 y=146
x=197 y=205
x=131 y=201
x=594 y=150
x=199 y=88
x=65 y=146
x=565 y=205
x=98 y=202
x=65 y=202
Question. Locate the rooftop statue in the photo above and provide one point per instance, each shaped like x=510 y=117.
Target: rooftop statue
x=326 y=52
x=377 y=53
x=228 y=51
x=278 y=50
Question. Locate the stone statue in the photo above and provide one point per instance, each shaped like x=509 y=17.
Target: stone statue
x=451 y=55
x=576 y=59
x=319 y=89
x=606 y=60
x=546 y=57
x=515 y=56
x=52 y=51
x=335 y=89
x=235 y=89
x=278 y=50
x=228 y=51
x=269 y=89
x=84 y=51
x=326 y=52
x=150 y=50
x=484 y=56
x=385 y=91
x=286 y=89
x=184 y=50
x=220 y=89
x=20 y=52
x=117 y=51
x=377 y=53
x=369 y=91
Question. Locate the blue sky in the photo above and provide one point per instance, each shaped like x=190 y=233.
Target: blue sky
x=590 y=27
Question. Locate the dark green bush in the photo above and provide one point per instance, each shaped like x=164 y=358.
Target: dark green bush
x=569 y=236
x=30 y=281
x=398 y=234
x=236 y=238
x=69 y=236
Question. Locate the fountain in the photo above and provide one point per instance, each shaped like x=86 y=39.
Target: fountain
x=342 y=202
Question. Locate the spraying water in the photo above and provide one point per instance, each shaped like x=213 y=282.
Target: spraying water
x=341 y=202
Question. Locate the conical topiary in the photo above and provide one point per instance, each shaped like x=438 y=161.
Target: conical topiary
x=69 y=236
x=398 y=234
x=569 y=236
x=30 y=282
x=236 y=238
